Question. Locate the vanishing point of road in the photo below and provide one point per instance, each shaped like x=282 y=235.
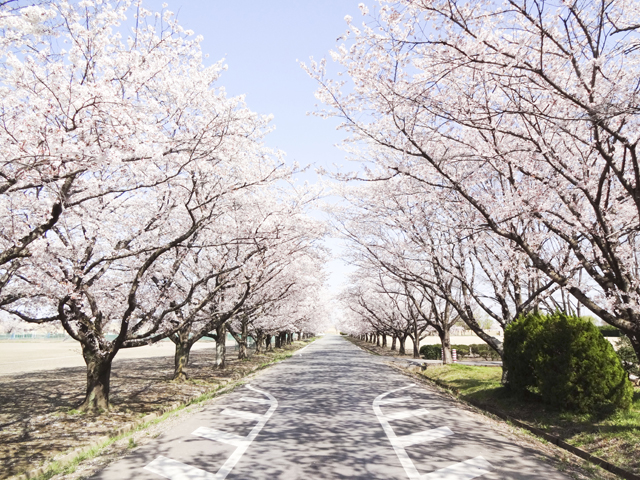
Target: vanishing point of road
x=331 y=411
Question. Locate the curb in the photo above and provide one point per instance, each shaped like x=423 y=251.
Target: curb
x=67 y=458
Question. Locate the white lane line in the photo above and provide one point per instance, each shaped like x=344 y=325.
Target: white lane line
x=466 y=470
x=302 y=350
x=391 y=401
x=241 y=414
x=174 y=470
x=425 y=436
x=219 y=436
x=406 y=414
x=255 y=400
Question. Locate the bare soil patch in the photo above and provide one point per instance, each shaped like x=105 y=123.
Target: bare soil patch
x=37 y=416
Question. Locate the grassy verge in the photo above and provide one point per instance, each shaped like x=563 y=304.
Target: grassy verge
x=614 y=438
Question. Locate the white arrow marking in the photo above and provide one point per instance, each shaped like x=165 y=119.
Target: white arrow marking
x=425 y=436
x=461 y=471
x=256 y=400
x=406 y=414
x=219 y=436
x=391 y=401
x=167 y=468
x=174 y=470
x=241 y=414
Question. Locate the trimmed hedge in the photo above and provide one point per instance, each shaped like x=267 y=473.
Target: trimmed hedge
x=434 y=352
x=431 y=352
x=567 y=361
x=609 y=331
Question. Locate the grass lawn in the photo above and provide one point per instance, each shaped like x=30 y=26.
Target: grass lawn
x=615 y=438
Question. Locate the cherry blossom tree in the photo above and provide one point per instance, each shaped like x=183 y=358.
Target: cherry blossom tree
x=125 y=136
x=525 y=112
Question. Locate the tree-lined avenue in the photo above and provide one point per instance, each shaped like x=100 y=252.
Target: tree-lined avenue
x=324 y=426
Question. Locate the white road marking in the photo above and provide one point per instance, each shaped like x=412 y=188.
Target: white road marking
x=391 y=401
x=255 y=400
x=425 y=436
x=461 y=471
x=406 y=414
x=167 y=468
x=174 y=470
x=241 y=414
x=302 y=350
x=219 y=436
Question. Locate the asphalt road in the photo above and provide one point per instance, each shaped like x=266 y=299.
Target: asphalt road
x=331 y=411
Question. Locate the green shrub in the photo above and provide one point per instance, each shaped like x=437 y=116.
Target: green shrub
x=431 y=352
x=462 y=351
x=484 y=351
x=627 y=356
x=567 y=361
x=609 y=331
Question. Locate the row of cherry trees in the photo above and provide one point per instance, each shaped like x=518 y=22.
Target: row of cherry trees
x=501 y=141
x=136 y=198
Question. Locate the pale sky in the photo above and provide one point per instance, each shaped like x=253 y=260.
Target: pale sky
x=262 y=42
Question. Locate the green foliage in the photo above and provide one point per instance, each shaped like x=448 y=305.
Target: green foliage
x=462 y=351
x=627 y=356
x=431 y=352
x=567 y=362
x=610 y=331
x=485 y=351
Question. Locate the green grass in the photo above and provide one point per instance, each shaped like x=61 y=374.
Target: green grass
x=615 y=438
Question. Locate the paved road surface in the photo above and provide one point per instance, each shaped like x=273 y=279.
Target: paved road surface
x=331 y=411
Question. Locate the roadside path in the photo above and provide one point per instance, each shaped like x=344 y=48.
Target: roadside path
x=331 y=411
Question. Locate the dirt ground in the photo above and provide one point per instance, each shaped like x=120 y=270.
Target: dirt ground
x=37 y=416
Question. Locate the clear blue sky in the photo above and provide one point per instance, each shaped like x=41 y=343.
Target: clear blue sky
x=262 y=42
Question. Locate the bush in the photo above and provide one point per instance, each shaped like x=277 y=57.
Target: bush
x=567 y=362
x=431 y=352
x=627 y=356
x=485 y=351
x=462 y=351
x=609 y=331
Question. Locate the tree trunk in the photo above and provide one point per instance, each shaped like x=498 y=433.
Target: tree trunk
x=384 y=339
x=98 y=381
x=277 y=340
x=268 y=344
x=377 y=340
x=416 y=340
x=401 y=340
x=183 y=349
x=221 y=346
x=394 y=339
x=260 y=345
x=445 y=339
